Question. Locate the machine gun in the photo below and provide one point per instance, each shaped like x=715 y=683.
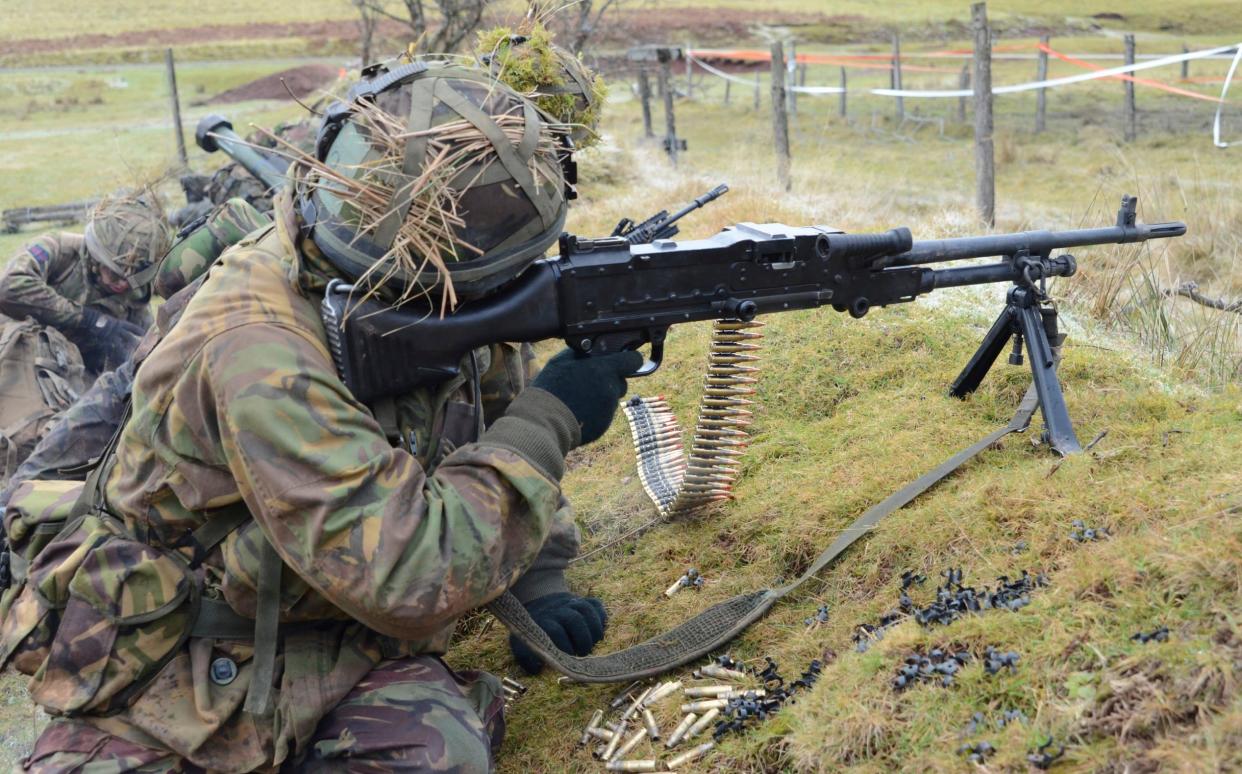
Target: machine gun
x=215 y=132
x=662 y=225
x=607 y=295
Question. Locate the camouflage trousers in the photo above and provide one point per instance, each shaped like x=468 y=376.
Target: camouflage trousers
x=406 y=715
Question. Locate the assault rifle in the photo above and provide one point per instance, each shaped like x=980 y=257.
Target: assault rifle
x=662 y=225
x=606 y=295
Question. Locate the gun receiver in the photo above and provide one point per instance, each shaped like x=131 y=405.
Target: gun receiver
x=662 y=225
x=215 y=132
x=606 y=295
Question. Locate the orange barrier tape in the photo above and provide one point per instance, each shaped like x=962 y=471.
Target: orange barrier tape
x=1144 y=81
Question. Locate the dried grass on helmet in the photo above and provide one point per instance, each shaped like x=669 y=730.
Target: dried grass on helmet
x=427 y=238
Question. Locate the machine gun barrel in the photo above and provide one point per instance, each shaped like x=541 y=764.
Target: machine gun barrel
x=215 y=132
x=1035 y=243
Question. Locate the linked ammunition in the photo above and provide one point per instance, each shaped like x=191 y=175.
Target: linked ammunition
x=690 y=755
x=509 y=682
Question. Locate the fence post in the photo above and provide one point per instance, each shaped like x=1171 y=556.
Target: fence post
x=1041 y=96
x=985 y=162
x=689 y=71
x=728 y=83
x=780 y=121
x=1185 y=63
x=843 y=92
x=176 y=107
x=791 y=78
x=670 y=123
x=895 y=78
x=644 y=94
x=756 y=91
x=1131 y=111
x=963 y=82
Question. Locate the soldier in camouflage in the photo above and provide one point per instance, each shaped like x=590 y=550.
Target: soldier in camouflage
x=80 y=434
x=93 y=287
x=367 y=530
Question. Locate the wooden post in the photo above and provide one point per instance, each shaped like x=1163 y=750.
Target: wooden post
x=985 y=161
x=689 y=71
x=756 y=91
x=1131 y=112
x=963 y=82
x=644 y=94
x=728 y=83
x=780 y=121
x=802 y=74
x=791 y=79
x=843 y=92
x=670 y=123
x=176 y=107
x=1185 y=63
x=896 y=78
x=1041 y=96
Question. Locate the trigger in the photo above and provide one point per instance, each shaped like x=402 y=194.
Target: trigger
x=652 y=364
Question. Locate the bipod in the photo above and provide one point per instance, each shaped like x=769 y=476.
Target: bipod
x=1029 y=316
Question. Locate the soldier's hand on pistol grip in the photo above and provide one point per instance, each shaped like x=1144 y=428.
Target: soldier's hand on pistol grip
x=573 y=623
x=105 y=341
x=590 y=386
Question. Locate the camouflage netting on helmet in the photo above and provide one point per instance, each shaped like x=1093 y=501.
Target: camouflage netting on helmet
x=127 y=233
x=444 y=186
x=560 y=84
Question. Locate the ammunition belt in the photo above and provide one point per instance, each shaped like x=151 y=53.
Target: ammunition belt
x=679 y=483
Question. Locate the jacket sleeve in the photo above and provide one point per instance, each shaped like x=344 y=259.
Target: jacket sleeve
x=360 y=521
x=25 y=289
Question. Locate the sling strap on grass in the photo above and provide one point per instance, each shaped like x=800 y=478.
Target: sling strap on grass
x=720 y=623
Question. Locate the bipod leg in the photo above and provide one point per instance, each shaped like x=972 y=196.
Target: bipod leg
x=1058 y=427
x=993 y=344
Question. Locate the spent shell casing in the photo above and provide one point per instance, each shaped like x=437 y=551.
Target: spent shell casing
x=690 y=755
x=676 y=587
x=647 y=765
x=706 y=704
x=598 y=752
x=602 y=734
x=637 y=705
x=629 y=744
x=709 y=691
x=723 y=673
x=703 y=722
x=514 y=684
x=624 y=696
x=679 y=733
x=664 y=689
x=611 y=749
x=649 y=722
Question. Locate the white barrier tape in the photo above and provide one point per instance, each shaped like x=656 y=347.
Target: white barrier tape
x=1012 y=89
x=744 y=82
x=1220 y=106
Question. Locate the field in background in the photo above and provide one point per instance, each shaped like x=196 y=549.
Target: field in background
x=850 y=409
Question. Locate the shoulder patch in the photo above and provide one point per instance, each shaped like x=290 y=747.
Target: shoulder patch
x=39 y=253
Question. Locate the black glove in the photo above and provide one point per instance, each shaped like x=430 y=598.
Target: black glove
x=573 y=623
x=105 y=341
x=590 y=386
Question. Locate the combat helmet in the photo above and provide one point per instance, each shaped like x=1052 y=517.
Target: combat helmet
x=127 y=235
x=557 y=80
x=433 y=177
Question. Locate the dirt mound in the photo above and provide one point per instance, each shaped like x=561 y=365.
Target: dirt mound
x=304 y=81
